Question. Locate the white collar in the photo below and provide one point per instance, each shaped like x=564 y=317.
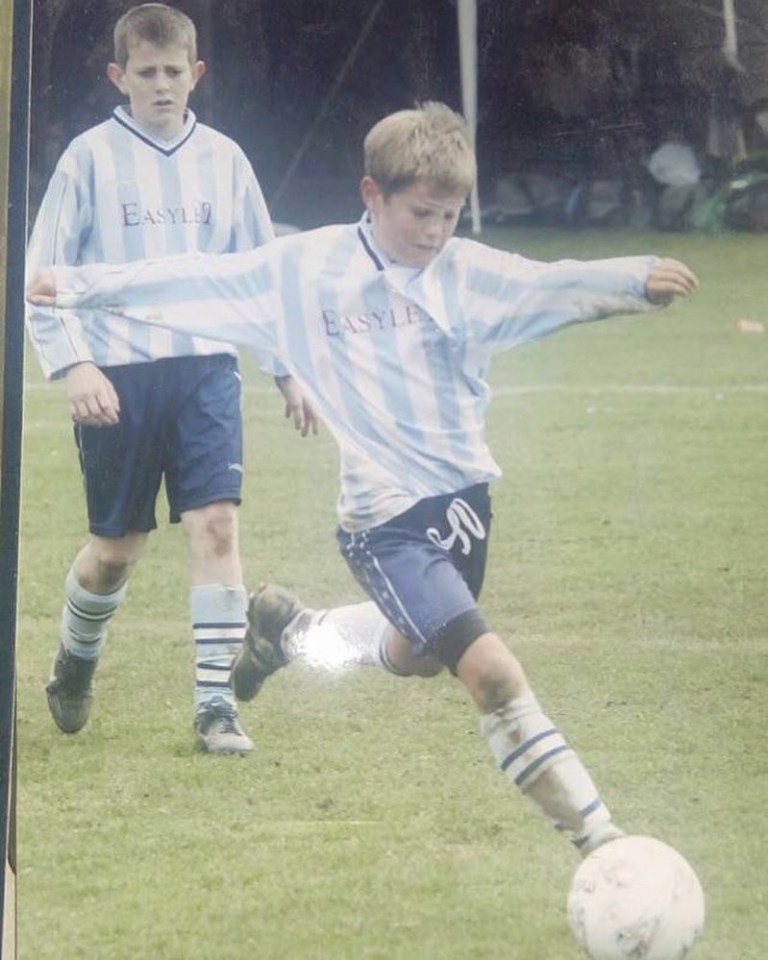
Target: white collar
x=123 y=116
x=387 y=263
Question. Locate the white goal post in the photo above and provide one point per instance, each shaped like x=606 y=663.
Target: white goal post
x=467 y=18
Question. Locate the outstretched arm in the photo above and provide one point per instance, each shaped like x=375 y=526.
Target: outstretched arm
x=226 y=297
x=515 y=300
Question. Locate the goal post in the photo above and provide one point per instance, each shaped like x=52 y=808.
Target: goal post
x=467 y=21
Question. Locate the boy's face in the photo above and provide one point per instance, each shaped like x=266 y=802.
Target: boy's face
x=157 y=82
x=414 y=224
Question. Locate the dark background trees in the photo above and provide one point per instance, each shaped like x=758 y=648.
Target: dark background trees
x=587 y=86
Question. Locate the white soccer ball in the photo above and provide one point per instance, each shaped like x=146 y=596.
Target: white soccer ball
x=635 y=898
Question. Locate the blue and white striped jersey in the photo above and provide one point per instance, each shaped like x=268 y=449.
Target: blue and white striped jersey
x=394 y=360
x=118 y=195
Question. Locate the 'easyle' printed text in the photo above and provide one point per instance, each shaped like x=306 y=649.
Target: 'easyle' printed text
x=338 y=325
x=137 y=216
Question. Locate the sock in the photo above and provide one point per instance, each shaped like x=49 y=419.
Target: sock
x=218 y=627
x=342 y=635
x=85 y=616
x=534 y=755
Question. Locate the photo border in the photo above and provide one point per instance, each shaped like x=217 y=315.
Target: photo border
x=11 y=408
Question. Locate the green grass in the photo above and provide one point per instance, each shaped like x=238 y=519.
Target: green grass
x=628 y=571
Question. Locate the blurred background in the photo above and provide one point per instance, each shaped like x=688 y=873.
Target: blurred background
x=574 y=99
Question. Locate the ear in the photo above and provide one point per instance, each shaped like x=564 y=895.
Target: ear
x=117 y=76
x=370 y=191
x=198 y=69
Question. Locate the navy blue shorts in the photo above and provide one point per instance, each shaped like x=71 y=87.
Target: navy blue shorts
x=425 y=569
x=180 y=419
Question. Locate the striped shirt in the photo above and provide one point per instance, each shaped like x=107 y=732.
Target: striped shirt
x=394 y=360
x=118 y=195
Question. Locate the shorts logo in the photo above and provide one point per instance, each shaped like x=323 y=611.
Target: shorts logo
x=461 y=518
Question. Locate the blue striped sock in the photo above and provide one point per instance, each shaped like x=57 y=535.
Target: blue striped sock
x=218 y=626
x=532 y=752
x=85 y=617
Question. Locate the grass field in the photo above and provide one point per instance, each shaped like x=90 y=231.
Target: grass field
x=628 y=571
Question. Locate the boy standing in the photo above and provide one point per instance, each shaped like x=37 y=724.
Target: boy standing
x=146 y=404
x=390 y=325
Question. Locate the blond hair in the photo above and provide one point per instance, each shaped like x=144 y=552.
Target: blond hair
x=156 y=23
x=430 y=143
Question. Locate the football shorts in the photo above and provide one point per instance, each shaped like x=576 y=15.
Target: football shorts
x=425 y=569
x=181 y=422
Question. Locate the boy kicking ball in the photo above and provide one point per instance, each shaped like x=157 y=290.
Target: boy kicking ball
x=390 y=325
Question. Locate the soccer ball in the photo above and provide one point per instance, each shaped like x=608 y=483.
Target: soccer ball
x=635 y=898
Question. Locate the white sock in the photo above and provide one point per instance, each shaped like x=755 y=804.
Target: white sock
x=85 y=617
x=218 y=628
x=341 y=635
x=533 y=754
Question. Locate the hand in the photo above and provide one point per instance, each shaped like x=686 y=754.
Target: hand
x=297 y=407
x=92 y=397
x=669 y=279
x=42 y=289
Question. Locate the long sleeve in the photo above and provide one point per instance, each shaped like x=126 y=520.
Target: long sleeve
x=511 y=300
x=251 y=222
x=227 y=297
x=64 y=217
x=251 y=227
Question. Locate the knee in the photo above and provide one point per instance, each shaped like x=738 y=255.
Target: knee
x=404 y=662
x=491 y=673
x=212 y=528
x=108 y=563
x=113 y=572
x=426 y=667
